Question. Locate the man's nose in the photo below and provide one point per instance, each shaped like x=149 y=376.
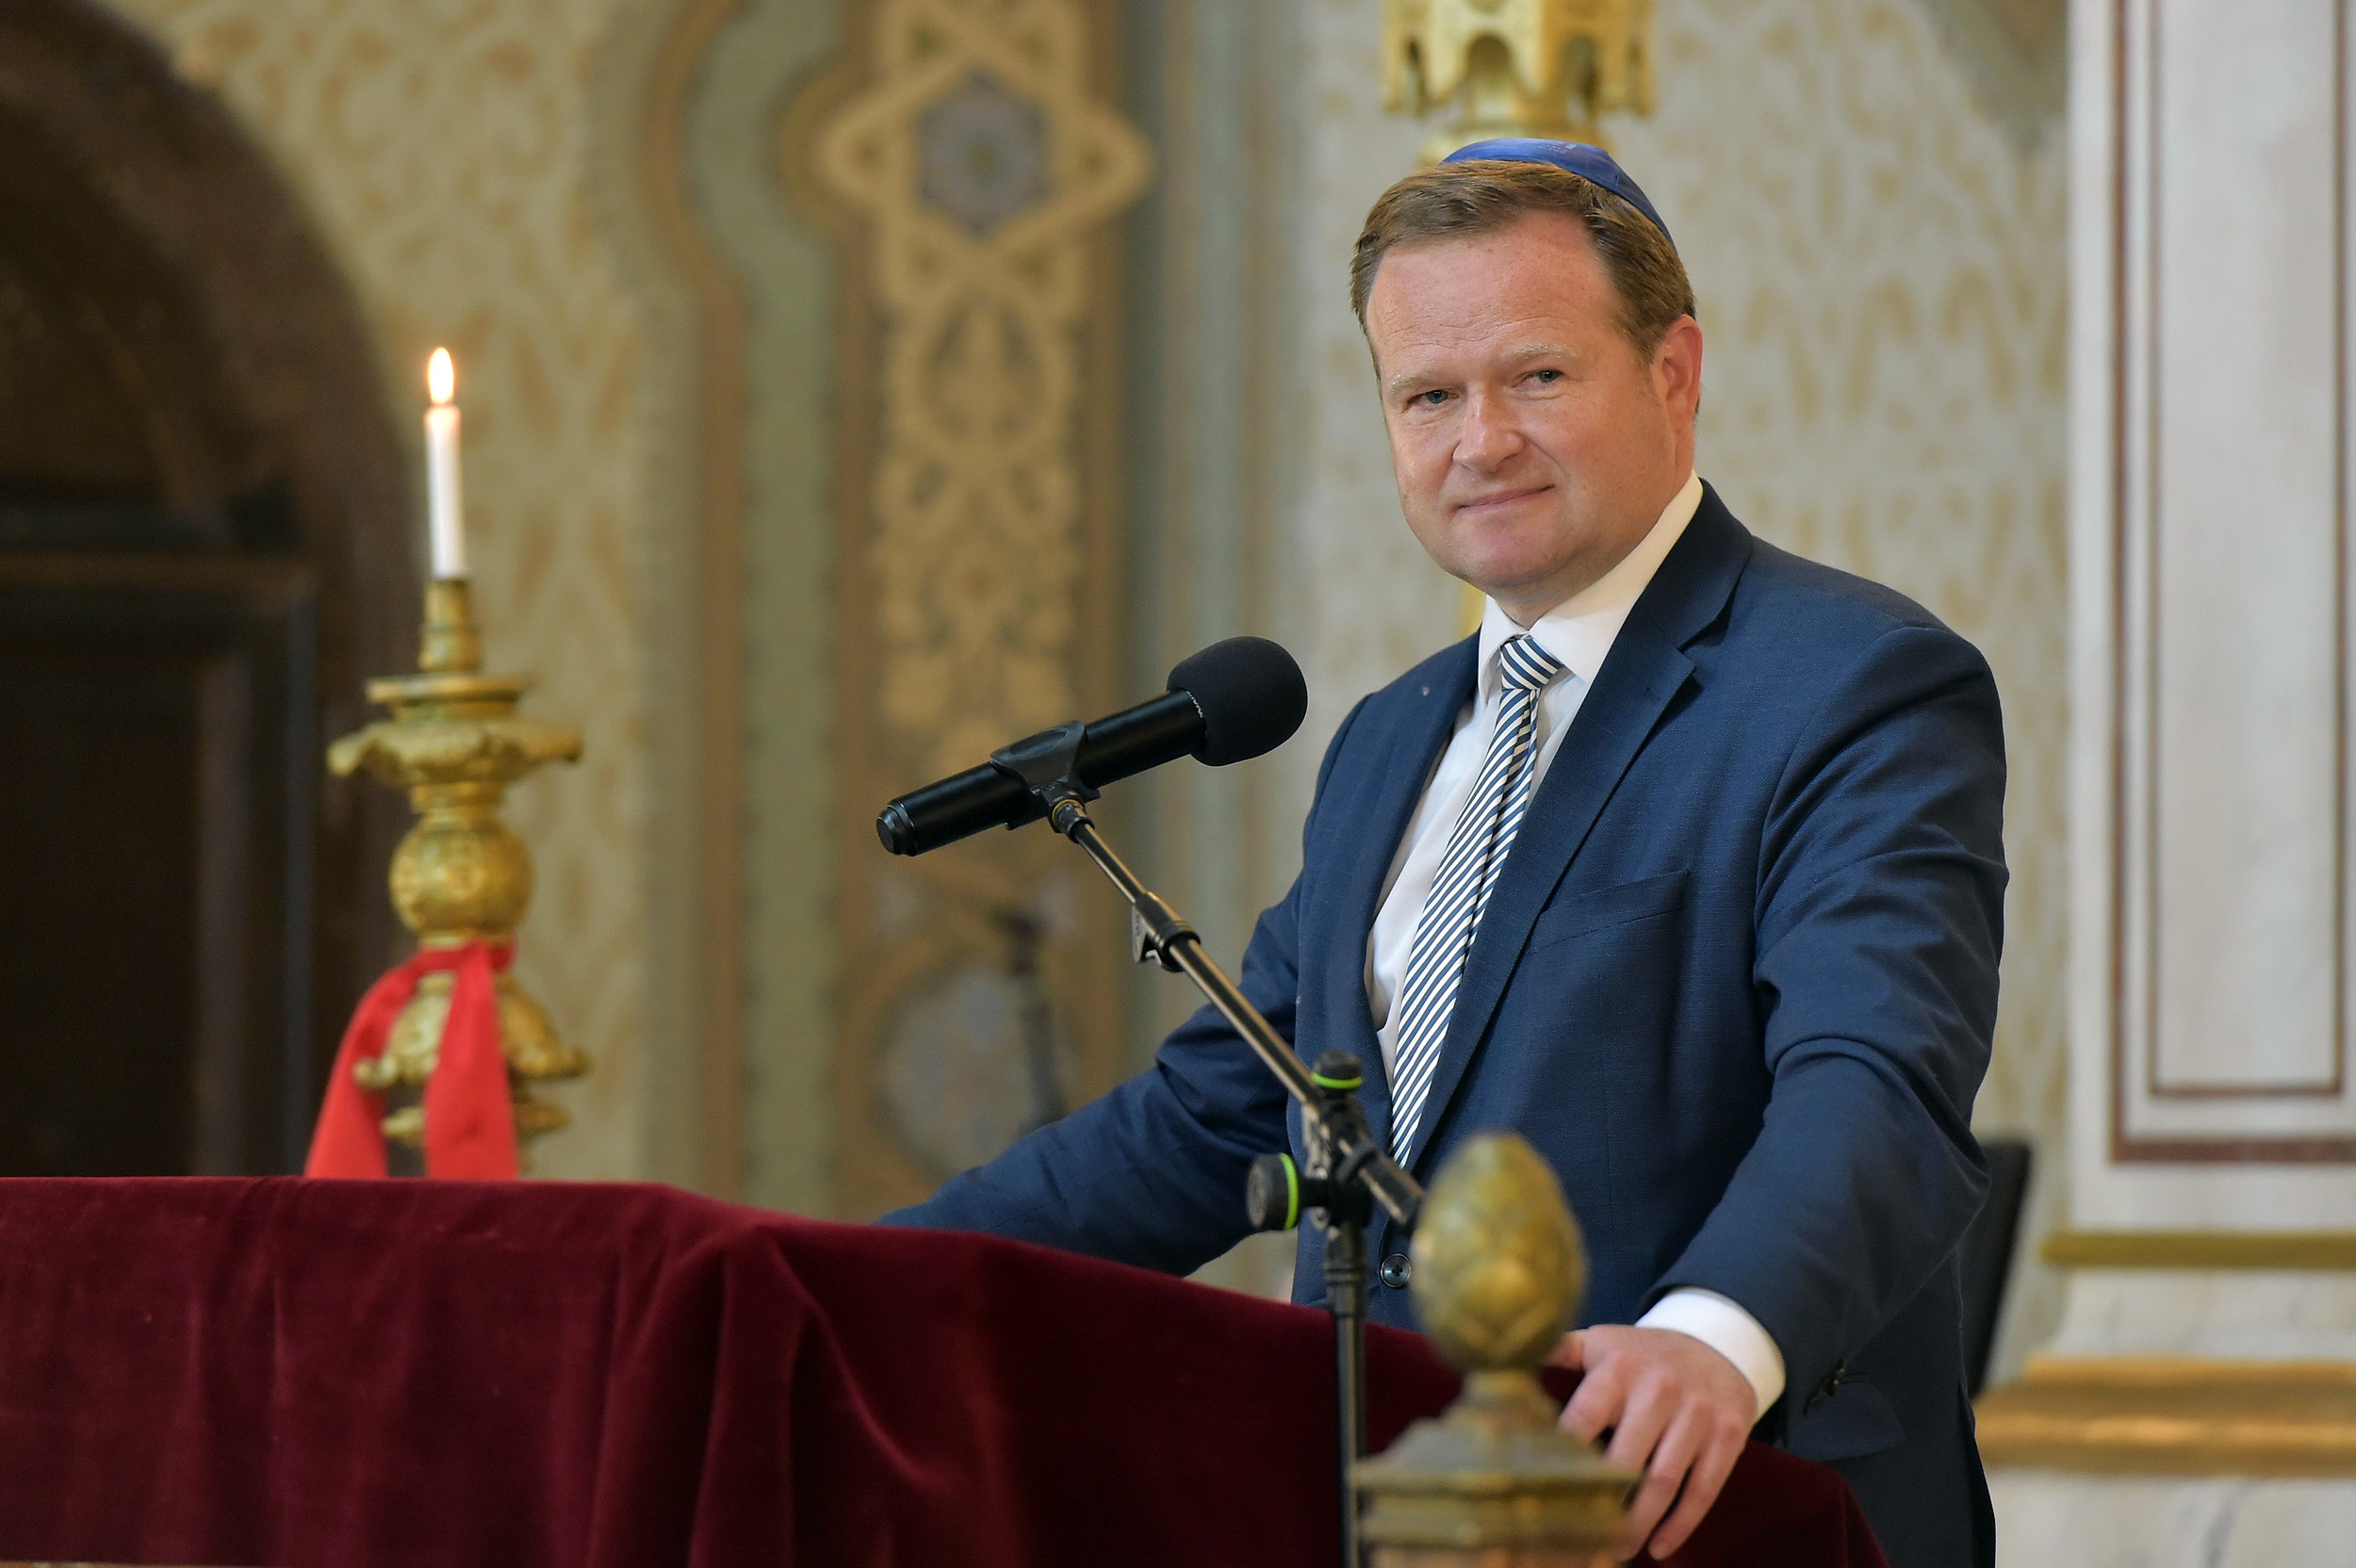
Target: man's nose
x=1488 y=437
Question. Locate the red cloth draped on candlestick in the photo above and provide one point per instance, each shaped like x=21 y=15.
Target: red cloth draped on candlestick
x=470 y=1120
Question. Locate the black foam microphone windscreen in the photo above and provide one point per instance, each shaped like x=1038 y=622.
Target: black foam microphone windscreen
x=1251 y=694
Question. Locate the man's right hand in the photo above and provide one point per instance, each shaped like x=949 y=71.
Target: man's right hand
x=1675 y=1410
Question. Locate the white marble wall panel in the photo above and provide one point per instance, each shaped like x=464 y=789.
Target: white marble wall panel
x=2260 y=1315
x=2230 y=894
x=2209 y=676
x=2210 y=644
x=2056 y=1521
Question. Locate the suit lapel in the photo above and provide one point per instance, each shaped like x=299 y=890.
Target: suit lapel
x=1640 y=677
x=1418 y=738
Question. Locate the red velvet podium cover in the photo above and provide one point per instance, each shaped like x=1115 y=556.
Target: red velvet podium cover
x=336 y=1374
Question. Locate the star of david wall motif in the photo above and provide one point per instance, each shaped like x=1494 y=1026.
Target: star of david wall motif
x=962 y=154
x=985 y=165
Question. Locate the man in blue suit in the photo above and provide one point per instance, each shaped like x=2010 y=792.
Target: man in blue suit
x=1689 y=868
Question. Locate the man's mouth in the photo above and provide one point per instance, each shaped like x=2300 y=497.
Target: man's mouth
x=1479 y=505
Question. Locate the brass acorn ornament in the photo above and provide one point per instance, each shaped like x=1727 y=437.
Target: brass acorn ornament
x=1494 y=1481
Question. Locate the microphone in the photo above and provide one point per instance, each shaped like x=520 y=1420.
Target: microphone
x=1232 y=700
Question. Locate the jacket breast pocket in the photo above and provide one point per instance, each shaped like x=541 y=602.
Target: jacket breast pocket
x=1586 y=910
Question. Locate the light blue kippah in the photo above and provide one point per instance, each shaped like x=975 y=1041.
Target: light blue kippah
x=1592 y=163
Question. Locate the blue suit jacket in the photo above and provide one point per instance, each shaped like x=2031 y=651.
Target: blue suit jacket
x=1737 y=982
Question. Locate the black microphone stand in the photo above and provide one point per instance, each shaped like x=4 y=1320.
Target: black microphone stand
x=1348 y=1170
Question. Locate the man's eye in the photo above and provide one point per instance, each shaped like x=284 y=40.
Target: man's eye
x=1432 y=399
x=1546 y=378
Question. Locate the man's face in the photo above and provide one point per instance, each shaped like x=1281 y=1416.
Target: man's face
x=1534 y=447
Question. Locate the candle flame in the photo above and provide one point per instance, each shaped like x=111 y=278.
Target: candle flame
x=441 y=376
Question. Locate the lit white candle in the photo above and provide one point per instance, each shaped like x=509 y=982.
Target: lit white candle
x=443 y=512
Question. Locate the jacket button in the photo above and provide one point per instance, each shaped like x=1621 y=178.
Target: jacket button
x=1397 y=1270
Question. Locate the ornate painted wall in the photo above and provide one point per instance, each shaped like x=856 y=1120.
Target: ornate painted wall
x=588 y=198
x=969 y=163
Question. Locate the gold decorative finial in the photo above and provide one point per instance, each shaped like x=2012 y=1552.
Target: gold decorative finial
x=1499 y=1271
x=455 y=742
x=1543 y=68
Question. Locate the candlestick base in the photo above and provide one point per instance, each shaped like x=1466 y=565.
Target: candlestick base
x=455 y=742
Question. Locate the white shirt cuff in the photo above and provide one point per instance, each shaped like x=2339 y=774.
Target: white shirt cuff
x=1726 y=1328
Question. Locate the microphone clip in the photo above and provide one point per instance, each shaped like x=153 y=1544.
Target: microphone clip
x=1154 y=931
x=1047 y=765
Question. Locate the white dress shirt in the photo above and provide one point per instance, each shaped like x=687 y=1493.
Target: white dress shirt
x=1580 y=631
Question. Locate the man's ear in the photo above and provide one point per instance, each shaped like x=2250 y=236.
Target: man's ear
x=1676 y=364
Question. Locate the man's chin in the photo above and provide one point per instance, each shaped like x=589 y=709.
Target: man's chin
x=1508 y=578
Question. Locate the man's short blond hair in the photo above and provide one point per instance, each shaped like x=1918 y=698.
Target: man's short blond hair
x=1454 y=201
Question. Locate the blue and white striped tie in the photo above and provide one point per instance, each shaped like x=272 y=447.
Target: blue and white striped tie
x=1477 y=847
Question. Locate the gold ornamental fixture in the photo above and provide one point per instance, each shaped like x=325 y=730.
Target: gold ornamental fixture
x=1543 y=67
x=1494 y=1482
x=455 y=742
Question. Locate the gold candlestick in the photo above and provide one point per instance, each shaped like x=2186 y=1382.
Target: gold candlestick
x=455 y=742
x=1494 y=1482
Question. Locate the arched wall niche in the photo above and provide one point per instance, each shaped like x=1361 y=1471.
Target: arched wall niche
x=204 y=551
